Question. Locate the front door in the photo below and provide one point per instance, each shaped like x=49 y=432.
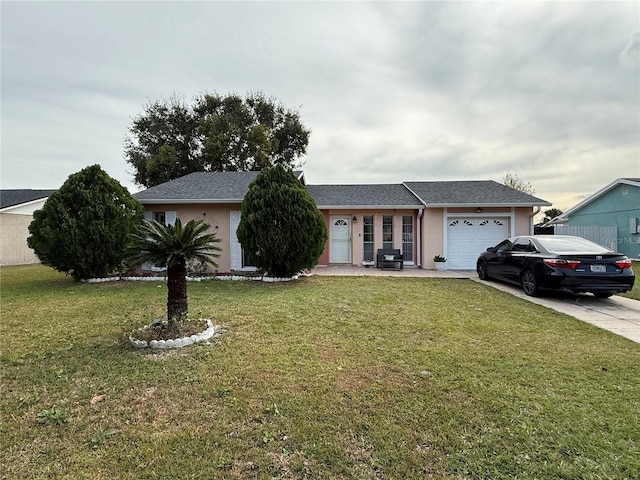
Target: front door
x=340 y=234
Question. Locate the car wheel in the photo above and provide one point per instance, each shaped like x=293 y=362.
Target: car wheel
x=529 y=283
x=602 y=294
x=482 y=270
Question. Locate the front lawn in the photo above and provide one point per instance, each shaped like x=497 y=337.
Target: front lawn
x=635 y=291
x=327 y=377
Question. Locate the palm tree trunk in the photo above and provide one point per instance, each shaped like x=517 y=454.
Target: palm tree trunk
x=176 y=293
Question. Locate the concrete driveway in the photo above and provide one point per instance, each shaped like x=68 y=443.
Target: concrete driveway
x=617 y=314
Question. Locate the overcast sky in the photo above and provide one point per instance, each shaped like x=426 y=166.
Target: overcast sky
x=392 y=92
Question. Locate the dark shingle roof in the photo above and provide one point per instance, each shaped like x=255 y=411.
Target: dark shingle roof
x=231 y=187
x=9 y=198
x=483 y=192
x=212 y=187
x=205 y=187
x=379 y=195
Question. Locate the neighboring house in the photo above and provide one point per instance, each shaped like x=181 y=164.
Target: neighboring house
x=610 y=217
x=16 y=213
x=458 y=219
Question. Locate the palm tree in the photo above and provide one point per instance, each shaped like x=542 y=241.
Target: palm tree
x=174 y=246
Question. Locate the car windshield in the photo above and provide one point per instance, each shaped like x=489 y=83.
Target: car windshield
x=569 y=245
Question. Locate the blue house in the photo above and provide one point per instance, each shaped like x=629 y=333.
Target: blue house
x=610 y=217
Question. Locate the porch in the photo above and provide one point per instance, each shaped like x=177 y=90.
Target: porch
x=358 y=271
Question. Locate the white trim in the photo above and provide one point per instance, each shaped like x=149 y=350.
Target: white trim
x=25 y=208
x=368 y=207
x=235 y=249
x=446 y=216
x=509 y=223
x=512 y=222
x=332 y=219
x=445 y=234
x=182 y=201
x=486 y=205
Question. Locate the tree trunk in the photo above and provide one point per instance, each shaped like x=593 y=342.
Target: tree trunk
x=176 y=293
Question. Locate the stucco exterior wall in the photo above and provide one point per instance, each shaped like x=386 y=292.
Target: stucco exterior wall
x=216 y=215
x=356 y=246
x=13 y=242
x=433 y=234
x=523 y=222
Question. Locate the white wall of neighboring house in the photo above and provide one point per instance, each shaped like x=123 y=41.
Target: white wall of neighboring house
x=14 y=230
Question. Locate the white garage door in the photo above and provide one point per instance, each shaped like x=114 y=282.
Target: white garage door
x=468 y=237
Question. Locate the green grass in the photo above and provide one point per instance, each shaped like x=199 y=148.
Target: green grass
x=635 y=291
x=327 y=377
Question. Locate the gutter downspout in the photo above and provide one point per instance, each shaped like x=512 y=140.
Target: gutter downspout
x=535 y=212
x=419 y=249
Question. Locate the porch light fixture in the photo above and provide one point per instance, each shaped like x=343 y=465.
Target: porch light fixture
x=478 y=210
x=354 y=219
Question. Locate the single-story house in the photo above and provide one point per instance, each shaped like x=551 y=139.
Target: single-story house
x=457 y=219
x=610 y=217
x=16 y=214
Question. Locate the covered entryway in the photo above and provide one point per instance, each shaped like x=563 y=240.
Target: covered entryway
x=467 y=237
x=340 y=240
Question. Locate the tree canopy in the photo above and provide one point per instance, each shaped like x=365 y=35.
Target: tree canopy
x=214 y=134
x=280 y=226
x=83 y=228
x=550 y=214
x=512 y=180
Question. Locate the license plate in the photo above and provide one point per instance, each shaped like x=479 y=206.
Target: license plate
x=598 y=268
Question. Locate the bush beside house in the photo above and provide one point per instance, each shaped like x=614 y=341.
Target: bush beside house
x=280 y=226
x=84 y=227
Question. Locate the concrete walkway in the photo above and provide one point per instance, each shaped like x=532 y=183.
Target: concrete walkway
x=352 y=271
x=617 y=314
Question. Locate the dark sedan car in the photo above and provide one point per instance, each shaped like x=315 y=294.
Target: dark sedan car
x=559 y=262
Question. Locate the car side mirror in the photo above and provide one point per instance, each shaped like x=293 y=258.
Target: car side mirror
x=491 y=249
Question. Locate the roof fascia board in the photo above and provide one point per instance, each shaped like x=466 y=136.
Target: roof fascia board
x=23 y=204
x=629 y=182
x=481 y=204
x=369 y=207
x=184 y=201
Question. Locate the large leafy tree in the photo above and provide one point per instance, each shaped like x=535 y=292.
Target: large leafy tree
x=280 y=226
x=83 y=228
x=174 y=246
x=215 y=134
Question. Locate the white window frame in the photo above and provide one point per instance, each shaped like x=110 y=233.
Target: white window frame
x=170 y=216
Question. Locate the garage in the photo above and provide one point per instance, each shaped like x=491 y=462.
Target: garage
x=467 y=237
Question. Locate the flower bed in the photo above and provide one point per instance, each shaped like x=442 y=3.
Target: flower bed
x=175 y=343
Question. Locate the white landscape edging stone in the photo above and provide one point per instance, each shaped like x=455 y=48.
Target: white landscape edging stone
x=236 y=278
x=176 y=343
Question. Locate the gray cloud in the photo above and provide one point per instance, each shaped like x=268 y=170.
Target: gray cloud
x=630 y=55
x=391 y=91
